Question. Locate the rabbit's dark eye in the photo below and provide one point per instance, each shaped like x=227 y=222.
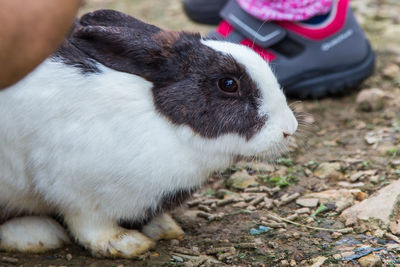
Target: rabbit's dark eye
x=228 y=85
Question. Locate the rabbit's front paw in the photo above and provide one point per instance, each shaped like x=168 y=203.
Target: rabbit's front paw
x=126 y=244
x=163 y=227
x=105 y=238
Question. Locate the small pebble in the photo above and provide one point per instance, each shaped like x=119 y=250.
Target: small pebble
x=177 y=258
x=174 y=242
x=296 y=235
x=370 y=260
x=284 y=263
x=293 y=263
x=68 y=257
x=303 y=211
x=337 y=256
x=370 y=99
x=251 y=208
x=224 y=256
x=307 y=202
x=336 y=235
x=310 y=220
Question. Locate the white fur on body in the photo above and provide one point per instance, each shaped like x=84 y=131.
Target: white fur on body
x=94 y=149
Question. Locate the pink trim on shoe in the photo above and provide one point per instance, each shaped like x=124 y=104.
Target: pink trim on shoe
x=333 y=24
x=224 y=29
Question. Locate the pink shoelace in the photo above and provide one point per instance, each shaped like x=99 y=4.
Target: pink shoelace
x=285 y=10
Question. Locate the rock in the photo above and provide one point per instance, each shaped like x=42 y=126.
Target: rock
x=307 y=202
x=395 y=227
x=318 y=261
x=241 y=180
x=343 y=204
x=380 y=205
x=303 y=211
x=374 y=179
x=370 y=260
x=174 y=242
x=337 y=256
x=177 y=258
x=284 y=263
x=187 y=216
x=345 y=195
x=336 y=235
x=261 y=167
x=392 y=71
x=251 y=208
x=372 y=138
x=328 y=170
x=362 y=175
x=370 y=99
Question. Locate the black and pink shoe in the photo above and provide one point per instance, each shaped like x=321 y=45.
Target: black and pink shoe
x=327 y=55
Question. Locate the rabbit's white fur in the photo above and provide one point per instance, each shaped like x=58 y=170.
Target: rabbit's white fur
x=94 y=149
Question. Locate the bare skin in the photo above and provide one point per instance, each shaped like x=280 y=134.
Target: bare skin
x=30 y=31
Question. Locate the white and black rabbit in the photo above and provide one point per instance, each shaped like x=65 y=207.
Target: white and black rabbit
x=122 y=123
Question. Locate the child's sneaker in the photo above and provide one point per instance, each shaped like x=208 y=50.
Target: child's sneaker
x=326 y=55
x=204 y=11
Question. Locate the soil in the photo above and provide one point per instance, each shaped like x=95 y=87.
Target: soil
x=332 y=130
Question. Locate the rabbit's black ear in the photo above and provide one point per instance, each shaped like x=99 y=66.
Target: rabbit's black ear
x=112 y=18
x=126 y=44
x=120 y=48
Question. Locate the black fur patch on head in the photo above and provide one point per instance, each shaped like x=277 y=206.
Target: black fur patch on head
x=188 y=93
x=184 y=71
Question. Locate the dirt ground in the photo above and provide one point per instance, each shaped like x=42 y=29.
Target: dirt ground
x=264 y=223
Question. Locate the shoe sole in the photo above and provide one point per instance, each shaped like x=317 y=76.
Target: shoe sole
x=333 y=84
